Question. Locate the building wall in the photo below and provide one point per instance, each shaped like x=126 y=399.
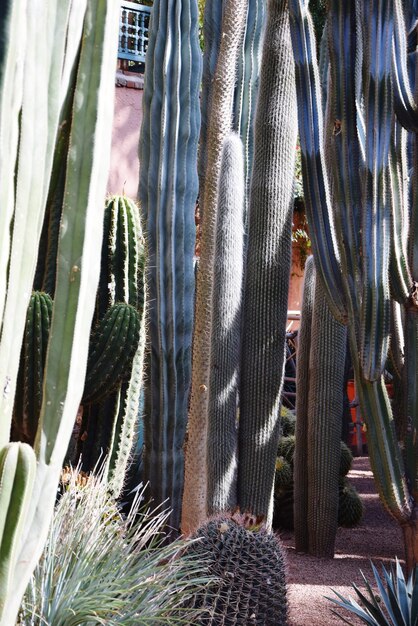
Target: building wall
x=124 y=162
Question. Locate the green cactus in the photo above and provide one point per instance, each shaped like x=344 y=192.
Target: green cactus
x=358 y=208
x=17 y=477
x=112 y=349
x=267 y=267
x=346 y=459
x=219 y=127
x=115 y=363
x=226 y=339
x=350 y=506
x=63 y=48
x=168 y=189
x=284 y=474
x=28 y=402
x=249 y=570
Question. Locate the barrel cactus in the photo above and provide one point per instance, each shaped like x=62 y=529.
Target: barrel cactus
x=249 y=570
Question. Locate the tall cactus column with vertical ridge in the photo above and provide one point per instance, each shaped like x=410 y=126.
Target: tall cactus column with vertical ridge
x=268 y=266
x=226 y=335
x=220 y=124
x=168 y=190
x=300 y=470
x=323 y=452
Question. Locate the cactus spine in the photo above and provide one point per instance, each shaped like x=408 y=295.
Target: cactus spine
x=56 y=36
x=268 y=267
x=168 y=190
x=249 y=570
x=114 y=367
x=302 y=407
x=31 y=374
x=323 y=451
x=195 y=488
x=226 y=337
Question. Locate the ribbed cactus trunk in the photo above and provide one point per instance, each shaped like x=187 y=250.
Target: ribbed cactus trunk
x=268 y=267
x=53 y=40
x=362 y=233
x=226 y=332
x=300 y=469
x=115 y=363
x=325 y=409
x=168 y=190
x=220 y=124
x=246 y=90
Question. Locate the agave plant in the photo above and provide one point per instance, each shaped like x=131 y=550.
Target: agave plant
x=394 y=604
x=100 y=567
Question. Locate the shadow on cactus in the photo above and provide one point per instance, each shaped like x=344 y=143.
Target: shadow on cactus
x=395 y=603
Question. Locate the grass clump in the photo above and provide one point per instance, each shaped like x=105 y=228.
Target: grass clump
x=101 y=567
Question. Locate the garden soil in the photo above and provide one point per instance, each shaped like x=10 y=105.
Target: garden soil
x=378 y=537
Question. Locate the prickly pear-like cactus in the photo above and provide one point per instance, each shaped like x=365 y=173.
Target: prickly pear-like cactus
x=31 y=371
x=250 y=585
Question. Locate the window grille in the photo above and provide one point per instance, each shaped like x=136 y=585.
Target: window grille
x=133 y=32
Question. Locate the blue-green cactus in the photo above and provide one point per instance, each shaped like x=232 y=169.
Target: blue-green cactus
x=168 y=191
x=358 y=207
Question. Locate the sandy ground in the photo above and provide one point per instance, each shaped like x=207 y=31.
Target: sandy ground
x=378 y=537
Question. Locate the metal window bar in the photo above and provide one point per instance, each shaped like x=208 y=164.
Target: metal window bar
x=133 y=31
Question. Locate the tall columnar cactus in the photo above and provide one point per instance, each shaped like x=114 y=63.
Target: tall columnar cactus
x=195 y=488
x=168 y=190
x=268 y=267
x=301 y=478
x=31 y=372
x=47 y=45
x=246 y=90
x=249 y=572
x=322 y=447
x=115 y=363
x=357 y=204
x=226 y=338
x=247 y=80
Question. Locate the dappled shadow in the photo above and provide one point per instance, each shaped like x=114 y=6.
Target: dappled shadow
x=377 y=538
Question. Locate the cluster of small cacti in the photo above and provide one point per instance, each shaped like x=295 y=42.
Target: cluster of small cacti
x=350 y=508
x=249 y=572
